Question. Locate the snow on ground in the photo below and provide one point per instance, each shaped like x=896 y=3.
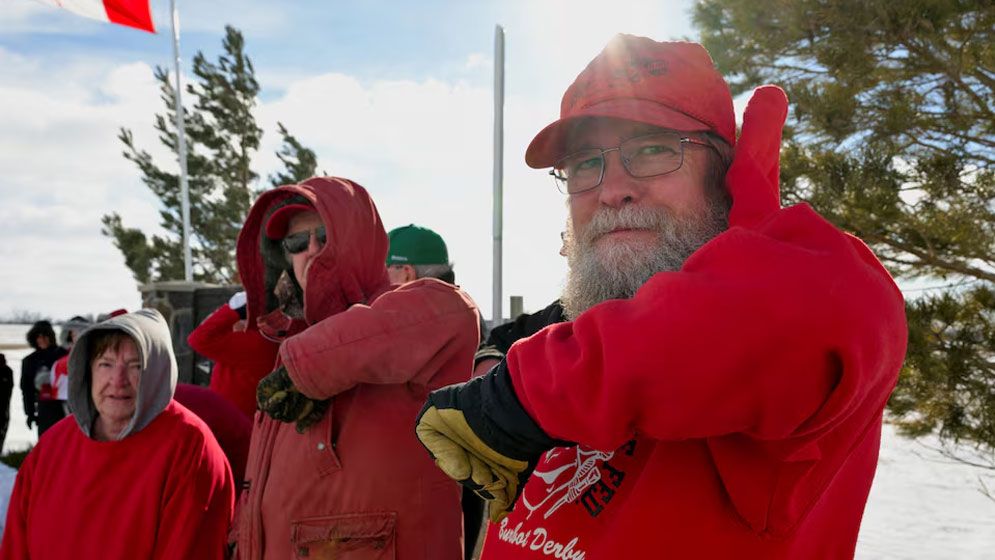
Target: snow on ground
x=7 y=476
x=922 y=506
x=925 y=506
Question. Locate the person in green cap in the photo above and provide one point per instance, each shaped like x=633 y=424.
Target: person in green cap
x=417 y=252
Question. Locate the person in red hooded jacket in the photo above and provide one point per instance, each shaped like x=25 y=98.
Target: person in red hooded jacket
x=334 y=469
x=241 y=356
x=718 y=388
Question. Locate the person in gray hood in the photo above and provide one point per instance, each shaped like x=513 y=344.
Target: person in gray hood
x=132 y=474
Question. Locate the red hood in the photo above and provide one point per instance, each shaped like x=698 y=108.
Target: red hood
x=349 y=269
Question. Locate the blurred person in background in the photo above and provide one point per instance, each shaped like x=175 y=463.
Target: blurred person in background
x=501 y=337
x=36 y=370
x=60 y=369
x=229 y=425
x=241 y=356
x=6 y=390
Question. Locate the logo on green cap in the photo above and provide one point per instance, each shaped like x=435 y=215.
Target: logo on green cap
x=413 y=244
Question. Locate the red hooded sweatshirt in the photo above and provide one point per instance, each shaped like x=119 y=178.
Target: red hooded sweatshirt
x=358 y=483
x=241 y=358
x=731 y=409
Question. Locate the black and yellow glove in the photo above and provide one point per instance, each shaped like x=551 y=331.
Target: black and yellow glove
x=480 y=435
x=277 y=397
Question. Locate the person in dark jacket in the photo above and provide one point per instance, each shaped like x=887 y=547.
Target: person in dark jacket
x=6 y=389
x=42 y=338
x=501 y=337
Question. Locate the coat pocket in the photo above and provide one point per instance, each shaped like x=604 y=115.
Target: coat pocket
x=358 y=536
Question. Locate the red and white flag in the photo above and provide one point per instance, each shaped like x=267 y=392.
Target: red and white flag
x=132 y=13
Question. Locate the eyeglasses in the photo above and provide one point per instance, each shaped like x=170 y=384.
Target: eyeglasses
x=299 y=242
x=643 y=156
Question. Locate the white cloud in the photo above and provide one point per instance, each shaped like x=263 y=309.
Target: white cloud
x=62 y=170
x=477 y=60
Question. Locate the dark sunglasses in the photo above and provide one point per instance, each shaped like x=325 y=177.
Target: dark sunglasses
x=300 y=241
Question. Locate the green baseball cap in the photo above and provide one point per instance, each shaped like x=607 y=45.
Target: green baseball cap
x=413 y=244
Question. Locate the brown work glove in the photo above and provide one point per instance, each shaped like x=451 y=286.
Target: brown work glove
x=277 y=397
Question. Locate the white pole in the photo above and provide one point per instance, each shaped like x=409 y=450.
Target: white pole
x=498 y=169
x=182 y=150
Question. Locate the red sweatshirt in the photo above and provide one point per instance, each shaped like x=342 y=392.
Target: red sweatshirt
x=164 y=492
x=241 y=358
x=736 y=404
x=230 y=427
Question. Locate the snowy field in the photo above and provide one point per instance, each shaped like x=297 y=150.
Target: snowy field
x=922 y=506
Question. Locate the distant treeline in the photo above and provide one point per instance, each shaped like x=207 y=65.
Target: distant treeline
x=21 y=317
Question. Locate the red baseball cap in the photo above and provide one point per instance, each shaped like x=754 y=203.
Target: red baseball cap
x=276 y=226
x=667 y=84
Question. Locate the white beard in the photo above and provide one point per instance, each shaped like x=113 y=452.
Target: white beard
x=606 y=269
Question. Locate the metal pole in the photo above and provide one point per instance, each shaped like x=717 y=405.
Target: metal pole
x=498 y=169
x=182 y=150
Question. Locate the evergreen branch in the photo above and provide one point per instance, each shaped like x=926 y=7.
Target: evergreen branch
x=932 y=260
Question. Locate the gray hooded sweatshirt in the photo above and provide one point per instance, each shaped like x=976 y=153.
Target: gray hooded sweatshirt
x=156 y=383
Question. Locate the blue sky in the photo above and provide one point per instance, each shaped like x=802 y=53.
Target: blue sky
x=395 y=95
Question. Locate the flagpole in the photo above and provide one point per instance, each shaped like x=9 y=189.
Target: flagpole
x=182 y=149
x=496 y=315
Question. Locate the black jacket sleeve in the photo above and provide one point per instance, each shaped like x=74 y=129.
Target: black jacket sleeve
x=28 y=392
x=6 y=386
x=525 y=325
x=501 y=337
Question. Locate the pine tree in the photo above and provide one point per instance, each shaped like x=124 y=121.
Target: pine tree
x=221 y=137
x=299 y=161
x=892 y=137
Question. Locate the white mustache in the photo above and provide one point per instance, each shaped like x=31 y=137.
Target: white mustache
x=607 y=220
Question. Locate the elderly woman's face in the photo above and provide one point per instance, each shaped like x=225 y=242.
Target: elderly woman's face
x=114 y=385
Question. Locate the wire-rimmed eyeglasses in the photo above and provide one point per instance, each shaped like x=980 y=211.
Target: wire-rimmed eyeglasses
x=643 y=156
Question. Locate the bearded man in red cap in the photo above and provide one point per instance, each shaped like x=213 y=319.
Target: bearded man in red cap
x=334 y=470
x=718 y=388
